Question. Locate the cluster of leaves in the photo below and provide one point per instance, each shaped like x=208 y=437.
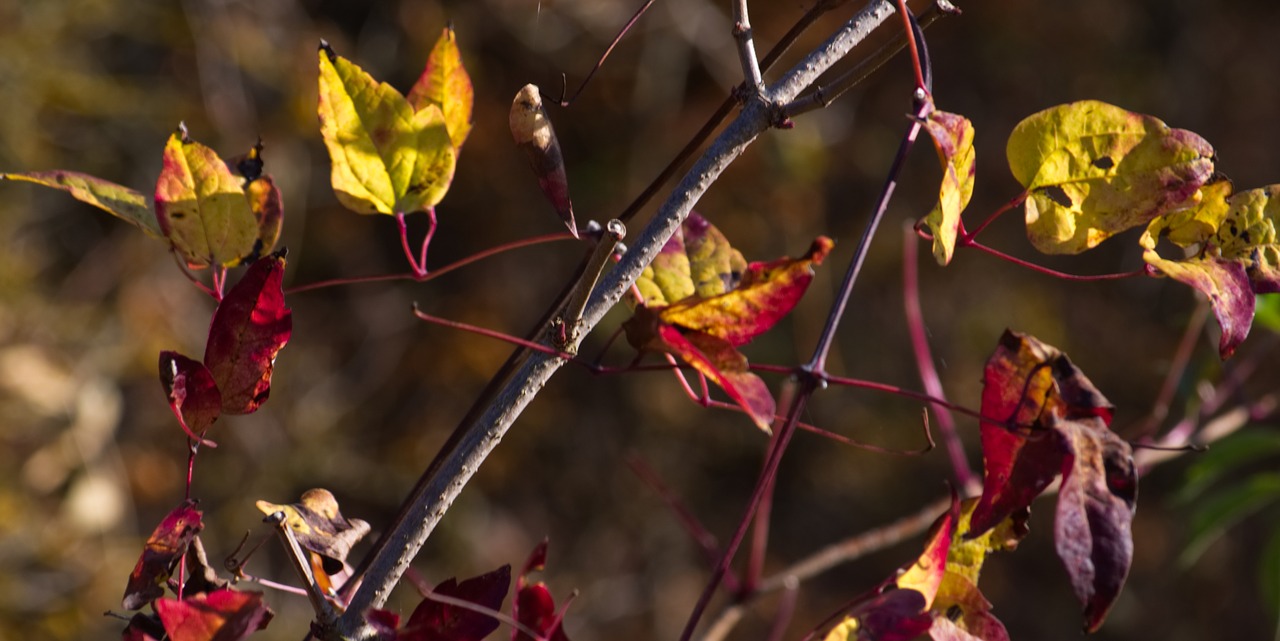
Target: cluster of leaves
x=1043 y=420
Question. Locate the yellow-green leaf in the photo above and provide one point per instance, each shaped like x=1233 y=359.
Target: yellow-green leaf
x=386 y=157
x=697 y=260
x=1247 y=235
x=953 y=137
x=445 y=83
x=117 y=200
x=1092 y=170
x=201 y=206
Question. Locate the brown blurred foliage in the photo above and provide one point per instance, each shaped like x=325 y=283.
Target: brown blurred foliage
x=90 y=458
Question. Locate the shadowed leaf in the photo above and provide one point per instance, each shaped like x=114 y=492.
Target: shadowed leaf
x=445 y=83
x=143 y=627
x=221 y=615
x=1092 y=170
x=320 y=527
x=953 y=137
x=250 y=326
x=117 y=200
x=386 y=156
x=436 y=621
x=164 y=549
x=201 y=205
x=264 y=200
x=533 y=606
x=962 y=613
x=193 y=395
x=895 y=615
x=533 y=133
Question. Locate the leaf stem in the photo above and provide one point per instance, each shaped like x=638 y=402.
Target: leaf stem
x=909 y=30
x=1051 y=272
x=968 y=238
x=418 y=270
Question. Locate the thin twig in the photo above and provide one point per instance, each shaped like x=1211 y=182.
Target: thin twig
x=742 y=36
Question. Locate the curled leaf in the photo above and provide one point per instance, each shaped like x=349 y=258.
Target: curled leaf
x=250 y=326
x=445 y=83
x=387 y=157
x=164 y=549
x=193 y=395
x=953 y=137
x=264 y=200
x=221 y=615
x=1092 y=170
x=531 y=128
x=201 y=206
x=117 y=200
x=320 y=527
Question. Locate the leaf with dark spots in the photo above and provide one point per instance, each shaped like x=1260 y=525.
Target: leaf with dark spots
x=264 y=201
x=164 y=549
x=193 y=394
x=1093 y=170
x=961 y=613
x=221 y=615
x=320 y=527
x=250 y=326
x=117 y=200
x=436 y=621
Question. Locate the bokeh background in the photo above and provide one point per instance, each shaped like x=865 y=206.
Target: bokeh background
x=90 y=457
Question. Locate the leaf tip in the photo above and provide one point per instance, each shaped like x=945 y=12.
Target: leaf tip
x=328 y=50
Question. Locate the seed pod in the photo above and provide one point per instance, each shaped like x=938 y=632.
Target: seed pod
x=532 y=131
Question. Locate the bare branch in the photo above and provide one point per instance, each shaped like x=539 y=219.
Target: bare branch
x=746 y=48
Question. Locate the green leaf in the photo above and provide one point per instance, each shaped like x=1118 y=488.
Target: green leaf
x=117 y=200
x=953 y=137
x=1216 y=514
x=697 y=260
x=1227 y=455
x=1266 y=312
x=201 y=205
x=1092 y=170
x=387 y=158
x=445 y=83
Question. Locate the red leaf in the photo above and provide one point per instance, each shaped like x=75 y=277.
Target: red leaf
x=164 y=548
x=436 y=621
x=143 y=627
x=222 y=615
x=533 y=606
x=249 y=328
x=193 y=396
x=925 y=575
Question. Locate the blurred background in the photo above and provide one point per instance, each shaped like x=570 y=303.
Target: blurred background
x=364 y=394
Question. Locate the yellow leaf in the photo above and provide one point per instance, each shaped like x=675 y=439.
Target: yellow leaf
x=386 y=157
x=953 y=136
x=201 y=206
x=445 y=83
x=1092 y=170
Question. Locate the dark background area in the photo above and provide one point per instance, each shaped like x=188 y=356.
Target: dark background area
x=363 y=395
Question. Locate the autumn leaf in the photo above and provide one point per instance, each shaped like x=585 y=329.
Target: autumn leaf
x=953 y=137
x=164 y=549
x=264 y=200
x=1092 y=170
x=701 y=300
x=533 y=133
x=221 y=615
x=117 y=200
x=1055 y=421
x=387 y=157
x=201 y=206
x=445 y=83
x=250 y=326
x=193 y=396
x=895 y=615
x=436 y=621
x=320 y=527
x=534 y=606
x=925 y=575
x=961 y=612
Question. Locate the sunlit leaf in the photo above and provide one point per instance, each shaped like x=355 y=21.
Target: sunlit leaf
x=436 y=621
x=164 y=549
x=925 y=575
x=1247 y=235
x=1055 y=421
x=533 y=133
x=193 y=395
x=953 y=137
x=117 y=200
x=221 y=615
x=320 y=527
x=960 y=605
x=201 y=205
x=264 y=200
x=445 y=83
x=697 y=260
x=386 y=157
x=250 y=326
x=1224 y=282
x=967 y=554
x=1093 y=170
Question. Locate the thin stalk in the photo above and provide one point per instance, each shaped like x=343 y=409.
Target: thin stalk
x=1052 y=272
